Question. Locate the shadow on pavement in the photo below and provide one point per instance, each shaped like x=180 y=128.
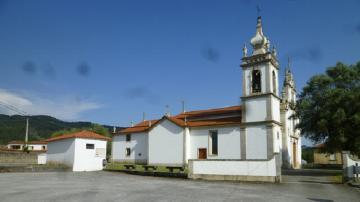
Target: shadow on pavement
x=320 y=200
x=312 y=172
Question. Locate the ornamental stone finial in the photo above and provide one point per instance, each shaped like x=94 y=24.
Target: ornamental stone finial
x=274 y=51
x=259 y=42
x=245 y=51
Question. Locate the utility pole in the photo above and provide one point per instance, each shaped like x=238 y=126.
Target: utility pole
x=26 y=132
x=18 y=111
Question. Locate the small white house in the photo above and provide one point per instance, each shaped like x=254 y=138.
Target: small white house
x=32 y=145
x=83 y=151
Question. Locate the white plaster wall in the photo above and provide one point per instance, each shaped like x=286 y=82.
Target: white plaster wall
x=38 y=146
x=276 y=108
x=255 y=109
x=290 y=130
x=166 y=144
x=118 y=147
x=247 y=82
x=35 y=146
x=87 y=159
x=277 y=143
x=348 y=165
x=61 y=151
x=272 y=68
x=242 y=168
x=228 y=142
x=299 y=153
x=138 y=146
x=256 y=142
x=42 y=158
x=187 y=145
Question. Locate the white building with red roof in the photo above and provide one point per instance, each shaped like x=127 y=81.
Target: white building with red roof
x=31 y=145
x=82 y=151
x=254 y=139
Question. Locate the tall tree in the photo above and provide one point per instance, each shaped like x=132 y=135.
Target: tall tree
x=329 y=108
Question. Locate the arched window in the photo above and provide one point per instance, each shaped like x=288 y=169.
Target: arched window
x=274 y=81
x=256 y=81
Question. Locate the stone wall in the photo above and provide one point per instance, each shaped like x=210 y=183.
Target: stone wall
x=18 y=157
x=324 y=158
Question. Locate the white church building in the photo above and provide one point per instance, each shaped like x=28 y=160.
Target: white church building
x=251 y=141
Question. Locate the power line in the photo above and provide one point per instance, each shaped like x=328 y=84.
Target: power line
x=13 y=108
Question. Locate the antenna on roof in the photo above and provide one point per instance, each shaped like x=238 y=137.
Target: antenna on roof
x=167 y=110
x=183 y=106
x=143 y=118
x=131 y=124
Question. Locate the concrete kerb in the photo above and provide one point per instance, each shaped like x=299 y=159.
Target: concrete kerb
x=151 y=173
x=31 y=168
x=354 y=184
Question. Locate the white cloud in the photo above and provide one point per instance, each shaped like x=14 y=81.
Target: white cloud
x=66 y=107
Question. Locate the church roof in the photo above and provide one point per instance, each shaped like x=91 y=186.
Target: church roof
x=199 y=118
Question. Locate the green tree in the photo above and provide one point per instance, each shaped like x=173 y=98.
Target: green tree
x=329 y=108
x=308 y=154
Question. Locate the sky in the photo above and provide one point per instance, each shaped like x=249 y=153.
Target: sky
x=111 y=61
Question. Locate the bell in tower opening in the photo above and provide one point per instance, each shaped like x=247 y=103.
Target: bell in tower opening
x=256 y=81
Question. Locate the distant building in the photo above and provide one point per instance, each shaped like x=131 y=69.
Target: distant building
x=32 y=145
x=326 y=159
x=82 y=151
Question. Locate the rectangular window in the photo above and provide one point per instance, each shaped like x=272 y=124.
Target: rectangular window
x=128 y=151
x=332 y=157
x=15 y=147
x=128 y=137
x=213 y=142
x=90 y=146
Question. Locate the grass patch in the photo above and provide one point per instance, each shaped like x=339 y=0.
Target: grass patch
x=138 y=167
x=337 y=177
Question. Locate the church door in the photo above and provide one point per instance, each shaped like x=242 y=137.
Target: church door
x=202 y=153
x=294 y=155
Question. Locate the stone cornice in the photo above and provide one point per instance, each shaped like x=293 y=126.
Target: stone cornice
x=259 y=59
x=266 y=122
x=260 y=95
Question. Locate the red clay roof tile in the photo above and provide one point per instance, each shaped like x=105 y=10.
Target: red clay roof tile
x=82 y=134
x=180 y=119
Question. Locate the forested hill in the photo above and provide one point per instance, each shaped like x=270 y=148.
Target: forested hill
x=40 y=127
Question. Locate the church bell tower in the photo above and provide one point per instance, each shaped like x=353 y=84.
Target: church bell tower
x=261 y=127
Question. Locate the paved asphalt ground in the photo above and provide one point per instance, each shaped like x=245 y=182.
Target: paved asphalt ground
x=115 y=186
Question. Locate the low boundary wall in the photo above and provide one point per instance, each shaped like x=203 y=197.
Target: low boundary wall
x=349 y=164
x=236 y=170
x=19 y=157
